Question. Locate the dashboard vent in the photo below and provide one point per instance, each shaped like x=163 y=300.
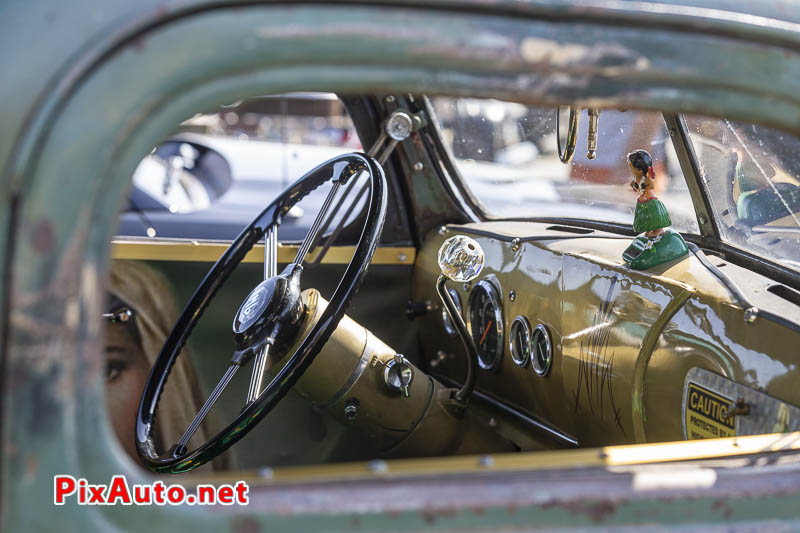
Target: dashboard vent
x=571 y=229
x=790 y=295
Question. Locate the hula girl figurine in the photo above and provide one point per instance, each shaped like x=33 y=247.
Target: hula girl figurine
x=659 y=243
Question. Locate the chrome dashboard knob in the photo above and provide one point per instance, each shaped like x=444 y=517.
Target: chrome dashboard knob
x=461 y=258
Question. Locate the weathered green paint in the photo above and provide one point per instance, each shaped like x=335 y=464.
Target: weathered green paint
x=91 y=85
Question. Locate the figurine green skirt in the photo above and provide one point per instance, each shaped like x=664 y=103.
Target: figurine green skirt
x=650 y=215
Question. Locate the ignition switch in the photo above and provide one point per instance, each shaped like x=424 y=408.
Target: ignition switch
x=398 y=374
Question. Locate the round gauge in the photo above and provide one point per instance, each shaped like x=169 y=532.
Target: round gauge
x=541 y=351
x=486 y=324
x=448 y=324
x=519 y=341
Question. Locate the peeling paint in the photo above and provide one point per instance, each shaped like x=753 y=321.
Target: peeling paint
x=605 y=58
x=534 y=50
x=245 y=524
x=43 y=236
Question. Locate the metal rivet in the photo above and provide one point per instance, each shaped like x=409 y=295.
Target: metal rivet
x=492 y=422
x=351 y=409
x=418 y=165
x=702 y=221
x=443 y=230
x=486 y=460
x=750 y=315
x=389 y=99
x=441 y=355
x=673 y=132
x=512 y=295
x=402 y=257
x=467 y=287
x=515 y=245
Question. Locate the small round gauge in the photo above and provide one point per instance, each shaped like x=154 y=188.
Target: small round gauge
x=519 y=341
x=486 y=324
x=541 y=351
x=448 y=324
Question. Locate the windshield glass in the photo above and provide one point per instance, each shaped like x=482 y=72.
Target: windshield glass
x=753 y=176
x=507 y=155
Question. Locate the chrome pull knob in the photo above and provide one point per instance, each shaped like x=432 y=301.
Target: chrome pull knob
x=398 y=374
x=461 y=258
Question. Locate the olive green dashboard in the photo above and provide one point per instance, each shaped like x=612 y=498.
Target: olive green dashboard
x=629 y=349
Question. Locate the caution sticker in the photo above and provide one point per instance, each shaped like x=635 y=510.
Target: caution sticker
x=704 y=414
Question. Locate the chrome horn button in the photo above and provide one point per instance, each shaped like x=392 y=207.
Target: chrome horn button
x=272 y=309
x=255 y=302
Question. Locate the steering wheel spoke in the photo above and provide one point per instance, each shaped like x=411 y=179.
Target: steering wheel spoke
x=205 y=409
x=257 y=377
x=311 y=236
x=270 y=251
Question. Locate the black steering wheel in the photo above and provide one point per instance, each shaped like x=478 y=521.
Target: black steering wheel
x=268 y=319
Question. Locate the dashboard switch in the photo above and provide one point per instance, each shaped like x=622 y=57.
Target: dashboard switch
x=398 y=374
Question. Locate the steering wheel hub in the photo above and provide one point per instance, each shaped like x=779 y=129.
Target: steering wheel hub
x=270 y=314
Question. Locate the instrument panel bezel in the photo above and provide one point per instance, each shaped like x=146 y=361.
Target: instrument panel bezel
x=493 y=294
x=522 y=322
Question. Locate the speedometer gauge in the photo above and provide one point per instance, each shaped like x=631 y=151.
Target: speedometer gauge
x=486 y=324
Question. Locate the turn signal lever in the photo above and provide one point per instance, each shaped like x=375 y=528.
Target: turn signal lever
x=461 y=259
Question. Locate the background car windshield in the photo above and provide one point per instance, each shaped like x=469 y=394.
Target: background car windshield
x=753 y=176
x=506 y=154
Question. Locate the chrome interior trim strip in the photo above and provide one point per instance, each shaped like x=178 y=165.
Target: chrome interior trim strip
x=154 y=249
